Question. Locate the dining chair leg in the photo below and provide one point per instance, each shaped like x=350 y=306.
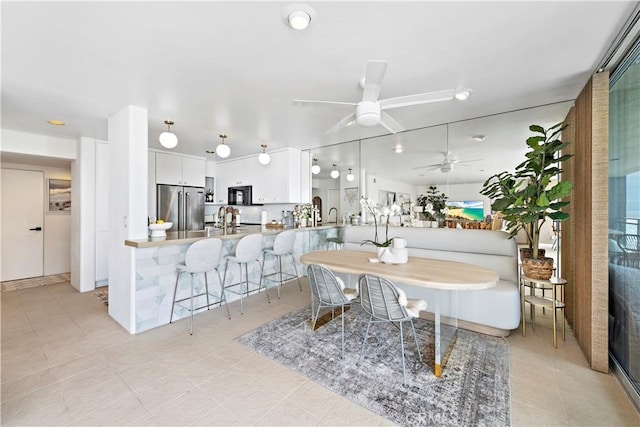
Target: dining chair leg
x=342 y=316
x=313 y=326
x=415 y=337
x=404 y=372
x=364 y=341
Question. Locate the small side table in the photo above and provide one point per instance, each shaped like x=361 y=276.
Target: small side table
x=556 y=302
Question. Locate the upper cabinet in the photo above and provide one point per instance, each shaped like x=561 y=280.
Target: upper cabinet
x=176 y=169
x=277 y=182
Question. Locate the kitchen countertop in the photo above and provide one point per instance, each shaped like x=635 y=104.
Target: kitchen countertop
x=184 y=237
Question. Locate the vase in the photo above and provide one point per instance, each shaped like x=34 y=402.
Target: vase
x=391 y=255
x=303 y=222
x=433 y=224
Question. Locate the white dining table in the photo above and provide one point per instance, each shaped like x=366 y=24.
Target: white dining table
x=442 y=275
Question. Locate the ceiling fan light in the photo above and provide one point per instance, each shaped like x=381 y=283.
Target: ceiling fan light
x=368 y=113
x=463 y=94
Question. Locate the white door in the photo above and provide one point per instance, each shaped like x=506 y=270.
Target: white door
x=22 y=224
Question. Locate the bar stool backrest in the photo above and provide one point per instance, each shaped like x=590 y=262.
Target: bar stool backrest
x=203 y=255
x=283 y=243
x=249 y=248
x=380 y=298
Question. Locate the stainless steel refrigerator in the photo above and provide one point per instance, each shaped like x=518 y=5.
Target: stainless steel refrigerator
x=183 y=206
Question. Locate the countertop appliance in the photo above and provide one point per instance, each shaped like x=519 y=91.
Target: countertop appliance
x=183 y=206
x=240 y=195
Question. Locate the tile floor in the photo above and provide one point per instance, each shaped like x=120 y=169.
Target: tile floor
x=66 y=362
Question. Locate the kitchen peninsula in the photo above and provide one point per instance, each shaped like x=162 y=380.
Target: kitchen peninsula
x=156 y=260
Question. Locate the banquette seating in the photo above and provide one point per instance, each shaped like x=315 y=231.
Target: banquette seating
x=494 y=311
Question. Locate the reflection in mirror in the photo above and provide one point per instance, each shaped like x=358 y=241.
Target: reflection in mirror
x=456 y=158
x=338 y=197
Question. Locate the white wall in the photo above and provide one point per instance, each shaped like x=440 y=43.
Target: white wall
x=57 y=226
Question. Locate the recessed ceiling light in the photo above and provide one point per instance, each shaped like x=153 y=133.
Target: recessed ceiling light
x=56 y=122
x=463 y=94
x=478 y=137
x=398 y=149
x=298 y=16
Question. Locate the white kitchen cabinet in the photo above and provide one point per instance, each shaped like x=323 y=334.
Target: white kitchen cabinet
x=279 y=181
x=221 y=182
x=175 y=169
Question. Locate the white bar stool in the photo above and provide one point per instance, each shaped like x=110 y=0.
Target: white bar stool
x=336 y=243
x=201 y=257
x=282 y=245
x=248 y=250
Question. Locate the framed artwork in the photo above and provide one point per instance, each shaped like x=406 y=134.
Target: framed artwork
x=351 y=200
x=59 y=195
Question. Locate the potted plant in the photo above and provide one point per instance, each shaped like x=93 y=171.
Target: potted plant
x=528 y=196
x=433 y=204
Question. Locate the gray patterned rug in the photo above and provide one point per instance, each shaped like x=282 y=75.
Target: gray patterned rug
x=472 y=391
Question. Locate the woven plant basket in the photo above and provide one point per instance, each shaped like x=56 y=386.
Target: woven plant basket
x=528 y=253
x=541 y=268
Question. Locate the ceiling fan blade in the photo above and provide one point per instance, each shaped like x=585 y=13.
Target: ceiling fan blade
x=433 y=166
x=465 y=161
x=419 y=98
x=342 y=123
x=373 y=80
x=389 y=122
x=311 y=103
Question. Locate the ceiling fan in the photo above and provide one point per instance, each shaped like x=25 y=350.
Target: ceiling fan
x=371 y=110
x=447 y=163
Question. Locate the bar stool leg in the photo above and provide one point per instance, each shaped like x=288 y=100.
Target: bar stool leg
x=295 y=269
x=191 y=321
x=241 y=292
x=206 y=288
x=222 y=295
x=175 y=290
x=524 y=319
x=266 y=290
x=279 y=274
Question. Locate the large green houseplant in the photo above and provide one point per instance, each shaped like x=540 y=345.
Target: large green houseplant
x=529 y=196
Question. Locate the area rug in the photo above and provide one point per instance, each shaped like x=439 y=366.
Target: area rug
x=12 y=285
x=472 y=391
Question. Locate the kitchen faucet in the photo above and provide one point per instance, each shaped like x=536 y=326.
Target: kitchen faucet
x=329 y=213
x=227 y=222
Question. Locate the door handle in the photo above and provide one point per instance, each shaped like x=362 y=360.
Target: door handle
x=36 y=229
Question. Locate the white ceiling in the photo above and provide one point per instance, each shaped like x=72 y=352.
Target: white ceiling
x=234 y=67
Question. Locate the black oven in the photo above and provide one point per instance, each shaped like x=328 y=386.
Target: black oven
x=240 y=195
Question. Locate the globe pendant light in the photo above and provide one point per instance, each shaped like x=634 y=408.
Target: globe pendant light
x=168 y=139
x=223 y=150
x=264 y=158
x=315 y=169
x=350 y=176
x=335 y=173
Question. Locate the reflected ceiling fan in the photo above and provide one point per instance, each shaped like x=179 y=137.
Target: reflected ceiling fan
x=447 y=163
x=371 y=110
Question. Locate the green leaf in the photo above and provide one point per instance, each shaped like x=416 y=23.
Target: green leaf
x=537 y=128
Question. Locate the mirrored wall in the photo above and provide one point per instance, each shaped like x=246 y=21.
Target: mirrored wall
x=456 y=158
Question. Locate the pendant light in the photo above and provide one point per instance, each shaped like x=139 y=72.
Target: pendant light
x=264 y=158
x=168 y=139
x=350 y=176
x=335 y=173
x=223 y=150
x=315 y=169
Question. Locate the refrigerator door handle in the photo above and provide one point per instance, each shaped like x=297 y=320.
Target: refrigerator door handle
x=186 y=203
x=180 y=209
